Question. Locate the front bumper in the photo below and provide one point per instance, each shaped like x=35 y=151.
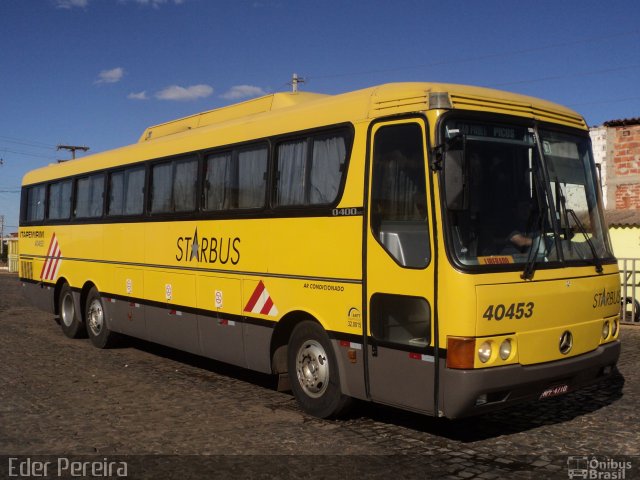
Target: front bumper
x=472 y=392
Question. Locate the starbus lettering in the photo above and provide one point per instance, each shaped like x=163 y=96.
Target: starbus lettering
x=606 y=298
x=208 y=249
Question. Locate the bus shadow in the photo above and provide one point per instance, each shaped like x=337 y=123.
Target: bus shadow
x=510 y=420
x=200 y=363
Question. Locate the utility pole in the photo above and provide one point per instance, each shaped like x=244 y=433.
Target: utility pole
x=295 y=80
x=72 y=149
x=1 y=235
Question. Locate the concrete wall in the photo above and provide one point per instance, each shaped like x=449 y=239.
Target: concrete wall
x=626 y=241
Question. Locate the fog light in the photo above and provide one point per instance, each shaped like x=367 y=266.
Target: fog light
x=605 y=330
x=614 y=327
x=484 y=352
x=505 y=349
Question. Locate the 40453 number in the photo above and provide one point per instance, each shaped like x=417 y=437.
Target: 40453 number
x=515 y=310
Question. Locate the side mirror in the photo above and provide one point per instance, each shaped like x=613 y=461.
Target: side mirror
x=455 y=174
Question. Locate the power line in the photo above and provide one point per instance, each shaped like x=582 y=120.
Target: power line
x=31 y=143
x=479 y=57
x=27 y=144
x=613 y=100
x=15 y=152
x=568 y=75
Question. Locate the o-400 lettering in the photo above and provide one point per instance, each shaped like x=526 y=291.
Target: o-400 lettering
x=345 y=212
x=515 y=310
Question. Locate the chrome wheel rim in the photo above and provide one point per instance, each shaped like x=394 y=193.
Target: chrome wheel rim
x=67 y=310
x=312 y=368
x=95 y=316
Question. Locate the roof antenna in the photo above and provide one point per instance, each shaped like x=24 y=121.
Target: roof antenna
x=295 y=80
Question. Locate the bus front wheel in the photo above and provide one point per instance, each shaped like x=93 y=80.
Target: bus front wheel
x=96 y=319
x=70 y=321
x=313 y=371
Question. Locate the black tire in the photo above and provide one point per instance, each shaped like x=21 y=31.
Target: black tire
x=70 y=319
x=313 y=372
x=632 y=305
x=96 y=320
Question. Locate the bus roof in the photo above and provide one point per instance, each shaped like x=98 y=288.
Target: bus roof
x=289 y=112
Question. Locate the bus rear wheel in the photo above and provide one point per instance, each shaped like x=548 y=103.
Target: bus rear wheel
x=313 y=371
x=70 y=321
x=99 y=333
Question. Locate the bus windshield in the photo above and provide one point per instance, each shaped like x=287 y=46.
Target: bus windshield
x=521 y=196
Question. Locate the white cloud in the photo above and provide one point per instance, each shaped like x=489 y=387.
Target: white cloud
x=69 y=4
x=138 y=96
x=243 y=91
x=110 y=76
x=157 y=3
x=266 y=4
x=174 y=92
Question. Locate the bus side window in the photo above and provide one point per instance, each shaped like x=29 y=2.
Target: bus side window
x=134 y=191
x=59 y=200
x=89 y=197
x=126 y=192
x=116 y=188
x=161 y=179
x=35 y=203
x=237 y=179
x=219 y=182
x=310 y=170
x=252 y=177
x=185 y=185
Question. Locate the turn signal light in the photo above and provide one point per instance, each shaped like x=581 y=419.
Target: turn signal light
x=461 y=352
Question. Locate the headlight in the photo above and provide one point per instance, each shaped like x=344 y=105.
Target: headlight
x=614 y=327
x=484 y=352
x=605 y=330
x=505 y=349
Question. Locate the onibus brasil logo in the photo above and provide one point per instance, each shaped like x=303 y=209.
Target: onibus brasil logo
x=597 y=468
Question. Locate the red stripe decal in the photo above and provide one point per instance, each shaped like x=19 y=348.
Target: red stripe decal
x=48 y=271
x=267 y=306
x=415 y=356
x=51 y=244
x=52 y=261
x=46 y=264
x=254 y=297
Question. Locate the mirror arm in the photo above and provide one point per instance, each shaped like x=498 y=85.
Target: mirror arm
x=437 y=157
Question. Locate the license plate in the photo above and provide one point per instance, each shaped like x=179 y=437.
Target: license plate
x=554 y=391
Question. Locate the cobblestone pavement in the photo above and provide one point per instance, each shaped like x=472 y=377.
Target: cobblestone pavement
x=184 y=416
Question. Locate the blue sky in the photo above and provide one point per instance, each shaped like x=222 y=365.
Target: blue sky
x=98 y=72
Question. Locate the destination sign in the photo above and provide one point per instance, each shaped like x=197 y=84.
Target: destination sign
x=489 y=131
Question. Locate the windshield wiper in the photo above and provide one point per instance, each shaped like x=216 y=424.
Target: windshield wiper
x=596 y=258
x=532 y=257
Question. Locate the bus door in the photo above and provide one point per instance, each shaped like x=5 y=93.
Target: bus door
x=399 y=271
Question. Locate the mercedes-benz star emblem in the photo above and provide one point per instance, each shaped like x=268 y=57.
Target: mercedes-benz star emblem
x=566 y=342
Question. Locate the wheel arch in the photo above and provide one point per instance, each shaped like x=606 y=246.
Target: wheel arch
x=282 y=334
x=84 y=293
x=56 y=294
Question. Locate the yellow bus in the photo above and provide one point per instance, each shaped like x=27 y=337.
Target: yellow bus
x=435 y=247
